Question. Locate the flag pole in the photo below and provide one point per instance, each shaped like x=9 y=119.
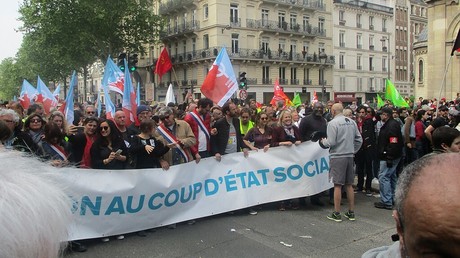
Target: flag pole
x=443 y=85
x=178 y=84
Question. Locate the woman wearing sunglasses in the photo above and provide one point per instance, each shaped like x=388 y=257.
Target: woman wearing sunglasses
x=32 y=134
x=260 y=136
x=109 y=150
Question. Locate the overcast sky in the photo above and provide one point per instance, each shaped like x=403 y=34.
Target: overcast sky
x=10 y=39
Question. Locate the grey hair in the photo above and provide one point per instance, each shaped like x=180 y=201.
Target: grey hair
x=10 y=112
x=165 y=112
x=407 y=177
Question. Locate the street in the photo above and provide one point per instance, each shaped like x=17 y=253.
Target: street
x=292 y=233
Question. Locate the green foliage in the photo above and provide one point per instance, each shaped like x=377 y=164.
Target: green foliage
x=10 y=81
x=65 y=35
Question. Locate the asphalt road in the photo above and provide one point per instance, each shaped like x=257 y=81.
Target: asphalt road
x=292 y=233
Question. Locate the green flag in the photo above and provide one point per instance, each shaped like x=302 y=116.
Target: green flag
x=392 y=94
x=380 y=102
x=296 y=101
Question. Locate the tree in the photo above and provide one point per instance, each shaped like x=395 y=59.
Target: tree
x=10 y=82
x=62 y=35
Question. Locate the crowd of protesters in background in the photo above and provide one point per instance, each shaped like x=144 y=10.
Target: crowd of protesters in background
x=166 y=135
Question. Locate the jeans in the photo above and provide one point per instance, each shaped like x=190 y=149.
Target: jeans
x=387 y=181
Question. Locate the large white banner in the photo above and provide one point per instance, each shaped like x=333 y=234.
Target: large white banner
x=122 y=201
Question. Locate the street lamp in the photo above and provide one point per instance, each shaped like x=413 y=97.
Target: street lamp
x=322 y=59
x=389 y=56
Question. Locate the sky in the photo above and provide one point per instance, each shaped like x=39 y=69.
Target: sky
x=10 y=39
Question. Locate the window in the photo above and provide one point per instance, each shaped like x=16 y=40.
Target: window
x=384 y=64
x=420 y=71
x=342 y=38
x=371 y=22
x=293 y=22
x=294 y=76
x=306 y=23
x=359 y=41
x=371 y=83
x=358 y=20
x=371 y=42
x=234 y=13
x=234 y=43
x=342 y=83
x=306 y=76
x=194 y=23
x=264 y=46
x=282 y=20
x=384 y=25
x=359 y=81
x=282 y=73
x=293 y=48
x=359 y=65
x=342 y=60
x=305 y=47
x=321 y=25
x=281 y=45
x=321 y=77
x=342 y=17
x=206 y=41
x=371 y=63
x=265 y=74
x=205 y=11
x=321 y=48
x=193 y=46
x=264 y=17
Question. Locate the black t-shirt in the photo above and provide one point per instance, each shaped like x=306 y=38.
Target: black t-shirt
x=439 y=121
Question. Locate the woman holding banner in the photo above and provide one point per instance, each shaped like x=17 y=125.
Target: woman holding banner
x=286 y=134
x=260 y=136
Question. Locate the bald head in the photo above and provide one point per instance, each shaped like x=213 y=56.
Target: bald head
x=427 y=206
x=336 y=109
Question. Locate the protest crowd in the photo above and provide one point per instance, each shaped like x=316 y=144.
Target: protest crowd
x=166 y=135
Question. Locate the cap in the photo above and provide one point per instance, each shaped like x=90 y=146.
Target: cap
x=141 y=109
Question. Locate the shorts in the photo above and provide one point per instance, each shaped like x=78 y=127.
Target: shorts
x=341 y=171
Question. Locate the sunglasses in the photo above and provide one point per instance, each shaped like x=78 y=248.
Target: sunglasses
x=90 y=112
x=104 y=128
x=264 y=118
x=35 y=121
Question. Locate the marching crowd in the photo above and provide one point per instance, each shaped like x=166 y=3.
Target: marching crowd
x=167 y=135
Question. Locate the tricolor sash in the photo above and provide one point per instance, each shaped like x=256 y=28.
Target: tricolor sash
x=170 y=138
x=59 y=151
x=200 y=123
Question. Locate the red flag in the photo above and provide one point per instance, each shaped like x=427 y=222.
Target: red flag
x=278 y=95
x=163 y=64
x=456 y=44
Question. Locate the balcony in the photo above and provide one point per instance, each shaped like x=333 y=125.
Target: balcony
x=342 y=22
x=384 y=49
x=299 y=4
x=342 y=66
x=359 y=46
x=283 y=81
x=266 y=81
x=359 y=25
x=294 y=81
x=359 y=67
x=184 y=83
x=284 y=27
x=371 y=68
x=384 y=69
x=371 y=27
x=307 y=82
x=235 y=22
x=342 y=44
x=371 y=47
x=251 y=54
x=184 y=28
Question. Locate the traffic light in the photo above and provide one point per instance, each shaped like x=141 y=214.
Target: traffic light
x=132 y=62
x=243 y=81
x=121 y=61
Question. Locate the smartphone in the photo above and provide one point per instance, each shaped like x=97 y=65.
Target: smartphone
x=80 y=129
x=118 y=152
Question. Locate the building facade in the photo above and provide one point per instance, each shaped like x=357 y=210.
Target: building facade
x=289 y=40
x=362 y=46
x=433 y=57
